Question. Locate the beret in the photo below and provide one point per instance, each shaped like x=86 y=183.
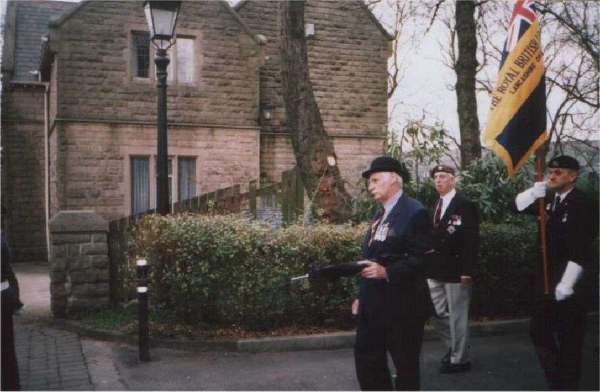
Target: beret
x=563 y=162
x=441 y=168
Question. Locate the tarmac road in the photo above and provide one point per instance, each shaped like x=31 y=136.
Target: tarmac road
x=499 y=363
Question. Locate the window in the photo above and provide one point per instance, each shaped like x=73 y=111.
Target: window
x=181 y=181
x=185 y=60
x=187 y=178
x=181 y=67
x=141 y=54
x=140 y=184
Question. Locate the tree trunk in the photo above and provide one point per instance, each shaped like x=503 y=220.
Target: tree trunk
x=466 y=68
x=310 y=141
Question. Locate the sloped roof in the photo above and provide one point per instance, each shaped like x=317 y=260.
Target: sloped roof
x=32 y=19
x=383 y=30
x=259 y=40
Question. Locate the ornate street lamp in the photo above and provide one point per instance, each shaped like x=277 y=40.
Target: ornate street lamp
x=162 y=18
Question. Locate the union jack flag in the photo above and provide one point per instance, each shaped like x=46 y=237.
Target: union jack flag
x=522 y=17
x=516 y=124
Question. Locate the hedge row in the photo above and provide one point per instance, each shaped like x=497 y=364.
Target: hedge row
x=217 y=271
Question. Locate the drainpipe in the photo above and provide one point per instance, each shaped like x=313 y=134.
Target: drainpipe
x=47 y=164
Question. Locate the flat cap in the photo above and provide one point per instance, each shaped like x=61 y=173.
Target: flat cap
x=387 y=164
x=563 y=162
x=443 y=169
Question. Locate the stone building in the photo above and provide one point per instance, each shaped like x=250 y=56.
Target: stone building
x=84 y=86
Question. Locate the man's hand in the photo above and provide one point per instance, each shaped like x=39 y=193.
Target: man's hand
x=465 y=279
x=373 y=271
x=527 y=197
x=354 y=308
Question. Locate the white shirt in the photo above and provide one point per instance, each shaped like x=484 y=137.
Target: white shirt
x=562 y=196
x=447 y=198
x=390 y=204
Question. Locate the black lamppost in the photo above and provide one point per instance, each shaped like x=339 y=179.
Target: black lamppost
x=162 y=18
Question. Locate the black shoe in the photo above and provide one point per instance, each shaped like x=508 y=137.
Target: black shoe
x=446 y=359
x=456 y=368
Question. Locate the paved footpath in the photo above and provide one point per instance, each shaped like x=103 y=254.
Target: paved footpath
x=50 y=359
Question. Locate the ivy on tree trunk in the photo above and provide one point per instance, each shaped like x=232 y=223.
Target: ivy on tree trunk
x=466 y=68
x=312 y=146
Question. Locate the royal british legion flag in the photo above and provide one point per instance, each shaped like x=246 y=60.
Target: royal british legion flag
x=516 y=124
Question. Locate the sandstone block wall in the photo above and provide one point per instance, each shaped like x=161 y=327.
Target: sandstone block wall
x=79 y=263
x=94 y=79
x=354 y=156
x=347 y=61
x=93 y=161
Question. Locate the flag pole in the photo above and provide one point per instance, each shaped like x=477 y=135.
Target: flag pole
x=539 y=169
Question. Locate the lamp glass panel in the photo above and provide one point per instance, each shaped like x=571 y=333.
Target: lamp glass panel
x=164 y=21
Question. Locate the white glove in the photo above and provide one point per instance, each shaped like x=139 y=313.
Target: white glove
x=564 y=289
x=526 y=198
x=562 y=292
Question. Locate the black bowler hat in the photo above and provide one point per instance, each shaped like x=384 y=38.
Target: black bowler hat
x=387 y=164
x=563 y=162
x=442 y=169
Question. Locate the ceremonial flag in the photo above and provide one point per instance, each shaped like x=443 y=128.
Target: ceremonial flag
x=516 y=124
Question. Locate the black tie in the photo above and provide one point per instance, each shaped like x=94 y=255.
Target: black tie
x=556 y=203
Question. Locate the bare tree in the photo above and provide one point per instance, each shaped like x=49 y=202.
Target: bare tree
x=312 y=146
x=466 y=69
x=571 y=46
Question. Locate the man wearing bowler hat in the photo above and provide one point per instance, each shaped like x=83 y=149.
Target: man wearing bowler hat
x=450 y=266
x=558 y=321
x=393 y=301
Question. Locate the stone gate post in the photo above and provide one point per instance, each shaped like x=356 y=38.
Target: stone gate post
x=79 y=264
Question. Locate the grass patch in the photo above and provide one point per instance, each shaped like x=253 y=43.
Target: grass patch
x=125 y=320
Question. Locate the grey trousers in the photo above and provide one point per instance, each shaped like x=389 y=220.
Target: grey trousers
x=451 y=302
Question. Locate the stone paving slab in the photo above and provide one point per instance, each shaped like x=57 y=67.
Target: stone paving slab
x=50 y=359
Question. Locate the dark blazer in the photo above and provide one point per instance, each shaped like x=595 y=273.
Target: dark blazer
x=455 y=242
x=570 y=231
x=405 y=293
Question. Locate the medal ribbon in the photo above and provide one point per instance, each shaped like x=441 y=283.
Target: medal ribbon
x=374 y=223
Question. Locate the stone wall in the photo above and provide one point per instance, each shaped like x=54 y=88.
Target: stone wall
x=94 y=78
x=354 y=156
x=23 y=171
x=93 y=168
x=79 y=263
x=347 y=61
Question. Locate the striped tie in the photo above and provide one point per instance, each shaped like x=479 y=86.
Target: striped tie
x=374 y=223
x=438 y=213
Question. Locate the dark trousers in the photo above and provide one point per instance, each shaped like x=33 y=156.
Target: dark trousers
x=370 y=354
x=10 y=368
x=558 y=340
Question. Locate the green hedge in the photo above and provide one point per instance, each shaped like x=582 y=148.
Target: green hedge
x=502 y=281
x=217 y=271
x=226 y=271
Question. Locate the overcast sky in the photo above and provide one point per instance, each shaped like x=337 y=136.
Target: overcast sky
x=425 y=87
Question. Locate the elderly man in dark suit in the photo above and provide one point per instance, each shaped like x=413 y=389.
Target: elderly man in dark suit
x=393 y=301
x=558 y=321
x=450 y=267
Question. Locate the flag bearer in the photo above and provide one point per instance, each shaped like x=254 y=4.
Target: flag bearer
x=558 y=322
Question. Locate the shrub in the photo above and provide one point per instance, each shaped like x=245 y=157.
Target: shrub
x=227 y=272
x=502 y=280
